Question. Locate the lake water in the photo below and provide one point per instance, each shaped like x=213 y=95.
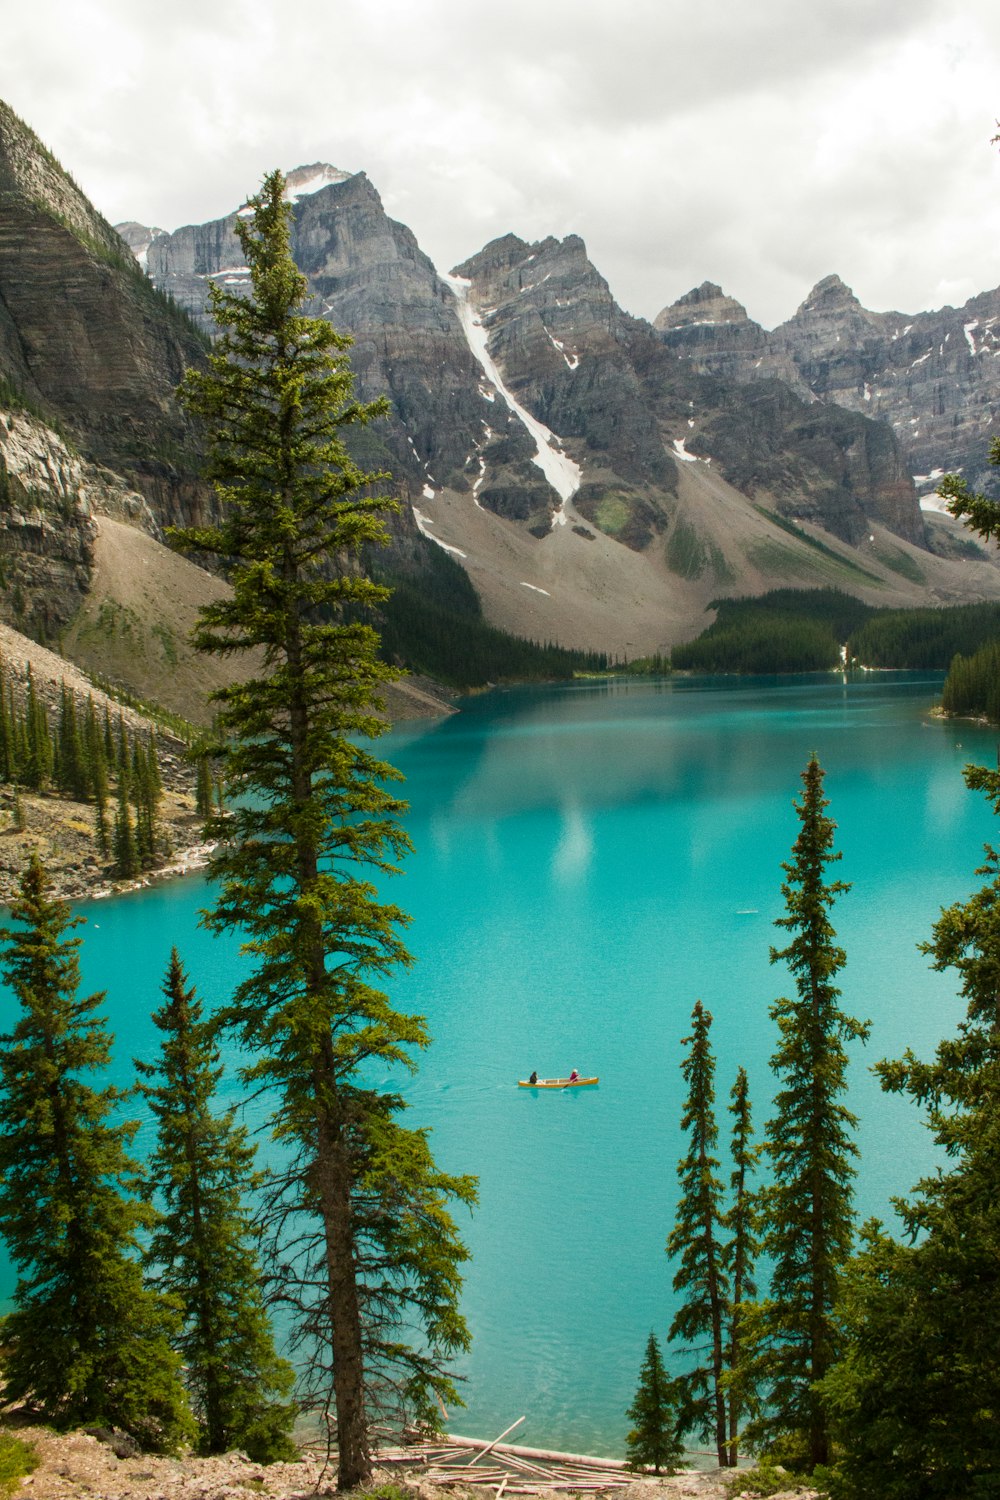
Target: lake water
x=590 y=860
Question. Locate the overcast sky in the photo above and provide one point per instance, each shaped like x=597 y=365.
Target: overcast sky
x=759 y=145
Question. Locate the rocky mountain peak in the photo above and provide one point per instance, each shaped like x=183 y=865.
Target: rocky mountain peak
x=300 y=182
x=829 y=296
x=138 y=238
x=704 y=304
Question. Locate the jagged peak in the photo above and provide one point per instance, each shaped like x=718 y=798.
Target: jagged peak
x=502 y=253
x=829 y=295
x=707 y=303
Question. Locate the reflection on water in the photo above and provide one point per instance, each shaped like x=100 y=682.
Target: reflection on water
x=589 y=861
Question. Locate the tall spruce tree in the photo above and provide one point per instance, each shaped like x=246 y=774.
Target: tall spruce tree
x=203 y=1252
x=376 y=1255
x=807 y=1215
x=695 y=1241
x=741 y=1256
x=655 y=1440
x=87 y=1340
x=916 y=1395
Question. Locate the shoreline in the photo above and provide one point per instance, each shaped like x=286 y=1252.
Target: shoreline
x=188 y=862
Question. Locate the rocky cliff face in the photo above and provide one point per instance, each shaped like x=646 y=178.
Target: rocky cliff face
x=614 y=399
x=85 y=339
x=369 y=277
x=933 y=376
x=50 y=499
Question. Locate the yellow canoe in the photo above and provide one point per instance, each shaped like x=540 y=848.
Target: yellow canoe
x=555 y=1083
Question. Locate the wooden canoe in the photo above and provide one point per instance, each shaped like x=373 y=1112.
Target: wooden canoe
x=556 y=1083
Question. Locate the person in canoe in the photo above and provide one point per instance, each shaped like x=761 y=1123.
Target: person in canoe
x=533 y=1079
x=574 y=1076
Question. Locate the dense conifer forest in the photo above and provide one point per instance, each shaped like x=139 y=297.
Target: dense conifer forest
x=796 y=630
x=436 y=627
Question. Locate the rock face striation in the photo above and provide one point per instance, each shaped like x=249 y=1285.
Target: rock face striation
x=530 y=333
x=85 y=339
x=933 y=377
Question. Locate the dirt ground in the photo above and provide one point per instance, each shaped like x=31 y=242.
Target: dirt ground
x=77 y=1465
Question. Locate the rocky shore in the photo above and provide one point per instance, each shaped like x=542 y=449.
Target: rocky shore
x=76 y=1465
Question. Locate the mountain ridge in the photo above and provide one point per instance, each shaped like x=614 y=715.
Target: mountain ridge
x=930 y=375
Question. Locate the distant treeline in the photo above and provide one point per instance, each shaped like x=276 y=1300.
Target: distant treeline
x=928 y=638
x=433 y=624
x=786 y=630
x=795 y=630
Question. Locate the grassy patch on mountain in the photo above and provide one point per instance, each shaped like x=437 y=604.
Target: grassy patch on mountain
x=814 y=542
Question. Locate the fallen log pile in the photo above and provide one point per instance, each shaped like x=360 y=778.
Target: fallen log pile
x=444 y=1460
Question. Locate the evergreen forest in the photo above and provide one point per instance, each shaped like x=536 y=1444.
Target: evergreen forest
x=795 y=630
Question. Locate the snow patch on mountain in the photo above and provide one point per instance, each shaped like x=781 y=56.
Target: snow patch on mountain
x=302 y=181
x=560 y=471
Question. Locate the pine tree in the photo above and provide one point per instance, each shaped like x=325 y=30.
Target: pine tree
x=124 y=849
x=203 y=1251
x=807 y=1216
x=8 y=767
x=203 y=786
x=39 y=755
x=73 y=776
x=654 y=1440
x=142 y=797
x=917 y=1392
x=110 y=751
x=741 y=1256
x=87 y=1340
x=695 y=1241
x=377 y=1252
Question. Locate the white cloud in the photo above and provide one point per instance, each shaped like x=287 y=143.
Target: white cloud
x=761 y=146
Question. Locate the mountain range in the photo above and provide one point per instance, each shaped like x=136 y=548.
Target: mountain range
x=600 y=479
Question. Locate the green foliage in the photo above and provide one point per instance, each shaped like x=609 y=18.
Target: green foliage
x=386 y=1491
x=981 y=514
x=742 y=1224
x=181 y=728
x=14 y=398
x=972 y=687
x=917 y=1393
x=767 y=1477
x=18 y=1459
x=806 y=1213
x=898 y=561
x=203 y=1251
x=786 y=630
x=654 y=1440
x=847 y=565
x=695 y=1243
x=686 y=552
x=88 y=1342
x=124 y=847
x=434 y=625
x=924 y=638
x=364 y=1247
x=800 y=630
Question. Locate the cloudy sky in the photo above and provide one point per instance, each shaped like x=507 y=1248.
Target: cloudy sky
x=762 y=146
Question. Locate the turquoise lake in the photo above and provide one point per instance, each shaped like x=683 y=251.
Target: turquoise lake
x=589 y=861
